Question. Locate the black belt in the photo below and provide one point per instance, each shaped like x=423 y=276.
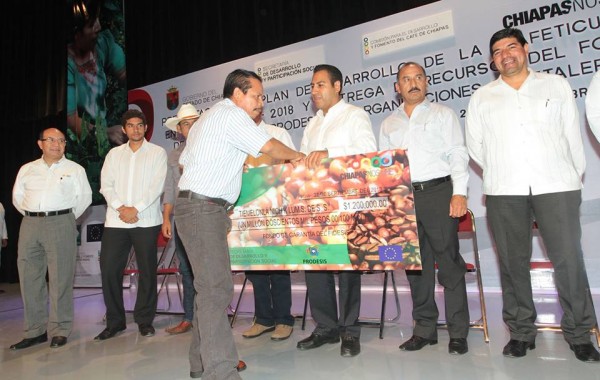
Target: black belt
x=187 y=194
x=420 y=186
x=48 y=213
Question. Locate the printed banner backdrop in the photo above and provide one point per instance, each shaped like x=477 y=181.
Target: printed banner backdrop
x=96 y=99
x=450 y=39
x=350 y=213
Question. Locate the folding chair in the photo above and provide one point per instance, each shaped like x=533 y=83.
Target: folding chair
x=235 y=310
x=466 y=228
x=132 y=271
x=168 y=266
x=370 y=322
x=546 y=266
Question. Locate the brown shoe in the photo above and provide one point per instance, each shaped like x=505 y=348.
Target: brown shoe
x=257 y=330
x=282 y=332
x=241 y=366
x=181 y=328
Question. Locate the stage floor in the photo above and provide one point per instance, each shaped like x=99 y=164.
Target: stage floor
x=130 y=356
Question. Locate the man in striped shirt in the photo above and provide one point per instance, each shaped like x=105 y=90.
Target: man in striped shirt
x=212 y=163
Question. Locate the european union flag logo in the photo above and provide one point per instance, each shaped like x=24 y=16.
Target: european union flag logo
x=94 y=232
x=390 y=253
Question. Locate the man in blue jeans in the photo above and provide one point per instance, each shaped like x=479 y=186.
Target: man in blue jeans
x=272 y=289
x=182 y=123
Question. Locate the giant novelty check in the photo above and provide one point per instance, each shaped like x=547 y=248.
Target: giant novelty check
x=351 y=213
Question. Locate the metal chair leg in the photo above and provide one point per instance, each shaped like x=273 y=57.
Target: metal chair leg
x=237 y=305
x=305 y=308
x=383 y=302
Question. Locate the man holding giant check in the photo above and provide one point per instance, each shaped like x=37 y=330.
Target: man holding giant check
x=337 y=129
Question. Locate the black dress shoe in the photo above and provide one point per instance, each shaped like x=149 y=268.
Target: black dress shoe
x=28 y=342
x=458 y=346
x=350 y=346
x=316 y=340
x=415 y=343
x=146 y=329
x=58 y=341
x=585 y=352
x=109 y=332
x=517 y=348
x=240 y=367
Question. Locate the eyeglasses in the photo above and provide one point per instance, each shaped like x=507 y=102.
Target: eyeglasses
x=52 y=140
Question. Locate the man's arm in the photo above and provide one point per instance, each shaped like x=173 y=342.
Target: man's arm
x=592 y=105
x=570 y=117
x=279 y=151
x=166 y=226
x=83 y=193
x=473 y=132
x=458 y=159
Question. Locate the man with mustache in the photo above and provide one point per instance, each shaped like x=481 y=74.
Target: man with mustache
x=432 y=136
x=213 y=161
x=51 y=193
x=523 y=131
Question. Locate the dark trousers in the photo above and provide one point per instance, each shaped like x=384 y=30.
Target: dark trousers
x=272 y=297
x=324 y=308
x=438 y=241
x=557 y=216
x=116 y=245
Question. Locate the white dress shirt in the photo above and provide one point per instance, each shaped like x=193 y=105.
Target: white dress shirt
x=434 y=142
x=592 y=105
x=216 y=149
x=134 y=179
x=62 y=185
x=527 y=138
x=278 y=133
x=344 y=130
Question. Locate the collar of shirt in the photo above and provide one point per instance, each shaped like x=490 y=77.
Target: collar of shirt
x=333 y=111
x=143 y=146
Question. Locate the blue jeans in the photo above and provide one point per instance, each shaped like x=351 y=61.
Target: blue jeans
x=187 y=278
x=272 y=297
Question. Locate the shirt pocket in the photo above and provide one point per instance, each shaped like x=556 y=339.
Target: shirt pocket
x=429 y=136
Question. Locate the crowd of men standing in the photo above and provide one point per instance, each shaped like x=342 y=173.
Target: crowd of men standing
x=522 y=129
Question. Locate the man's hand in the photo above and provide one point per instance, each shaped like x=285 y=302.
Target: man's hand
x=128 y=214
x=458 y=206
x=4 y=243
x=314 y=158
x=166 y=228
x=297 y=161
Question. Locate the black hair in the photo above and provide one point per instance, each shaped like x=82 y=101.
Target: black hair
x=130 y=114
x=83 y=12
x=409 y=64
x=238 y=78
x=335 y=75
x=507 y=33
